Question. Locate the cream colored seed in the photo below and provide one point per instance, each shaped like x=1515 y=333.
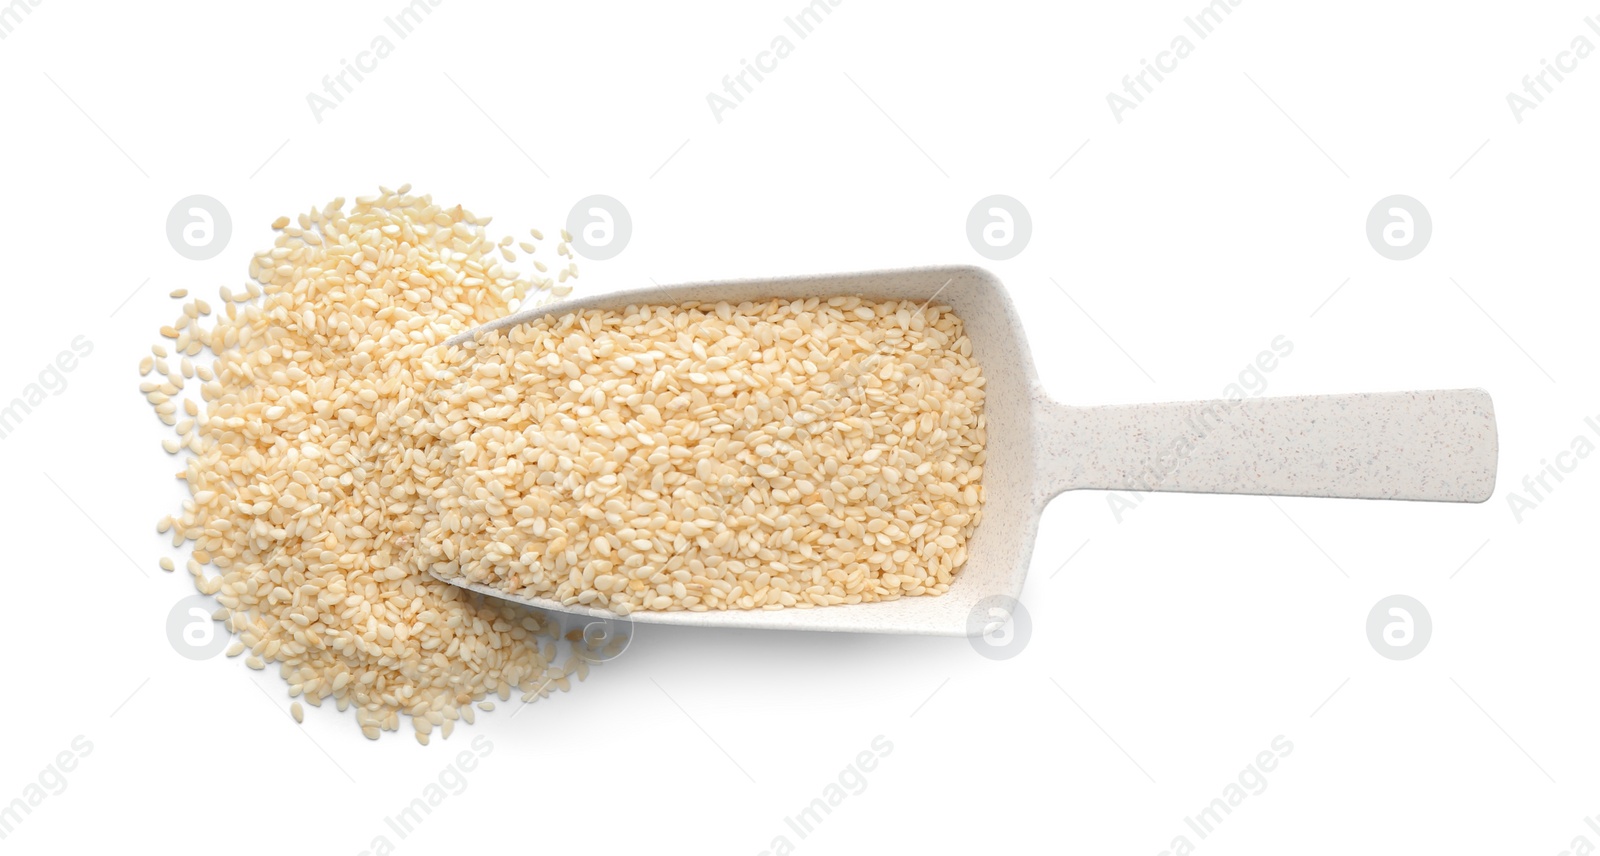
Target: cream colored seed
x=179 y=293
x=342 y=502
x=785 y=453
x=166 y=564
x=298 y=712
x=145 y=365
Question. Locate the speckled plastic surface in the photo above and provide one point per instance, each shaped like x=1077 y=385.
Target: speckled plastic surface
x=1409 y=445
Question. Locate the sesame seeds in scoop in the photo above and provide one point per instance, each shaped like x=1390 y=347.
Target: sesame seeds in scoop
x=709 y=456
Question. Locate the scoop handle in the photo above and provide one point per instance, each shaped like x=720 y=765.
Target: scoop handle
x=1434 y=445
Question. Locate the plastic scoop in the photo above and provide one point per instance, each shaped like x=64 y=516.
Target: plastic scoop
x=1434 y=445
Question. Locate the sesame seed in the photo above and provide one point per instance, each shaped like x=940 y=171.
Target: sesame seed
x=306 y=482
x=709 y=456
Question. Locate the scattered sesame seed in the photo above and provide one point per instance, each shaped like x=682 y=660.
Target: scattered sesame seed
x=298 y=500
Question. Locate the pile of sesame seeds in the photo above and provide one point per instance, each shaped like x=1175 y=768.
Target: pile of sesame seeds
x=307 y=492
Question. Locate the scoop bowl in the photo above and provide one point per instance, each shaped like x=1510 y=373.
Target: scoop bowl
x=1431 y=445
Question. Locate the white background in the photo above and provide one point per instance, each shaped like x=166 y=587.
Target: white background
x=1172 y=647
